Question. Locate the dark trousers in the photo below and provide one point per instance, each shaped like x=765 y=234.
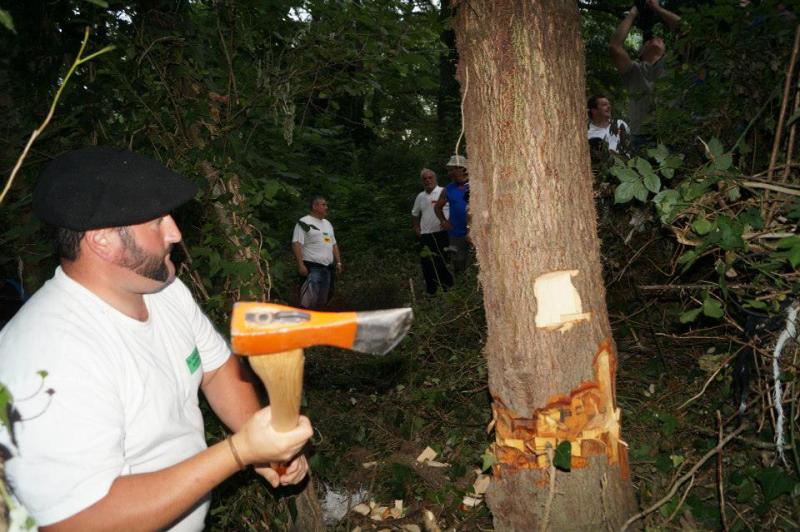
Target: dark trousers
x=432 y=259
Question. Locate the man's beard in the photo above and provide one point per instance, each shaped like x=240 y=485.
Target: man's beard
x=138 y=261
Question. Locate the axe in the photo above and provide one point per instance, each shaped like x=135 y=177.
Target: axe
x=273 y=338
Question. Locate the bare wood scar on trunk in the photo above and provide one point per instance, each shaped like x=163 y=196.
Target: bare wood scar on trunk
x=558 y=304
x=588 y=418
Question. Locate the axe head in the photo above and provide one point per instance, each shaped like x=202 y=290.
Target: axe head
x=264 y=328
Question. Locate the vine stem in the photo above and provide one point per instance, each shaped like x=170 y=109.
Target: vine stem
x=689 y=474
x=79 y=60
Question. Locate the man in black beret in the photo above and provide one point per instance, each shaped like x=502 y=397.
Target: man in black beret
x=114 y=438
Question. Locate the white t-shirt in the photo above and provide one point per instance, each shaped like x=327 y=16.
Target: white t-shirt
x=317 y=242
x=605 y=133
x=423 y=209
x=124 y=394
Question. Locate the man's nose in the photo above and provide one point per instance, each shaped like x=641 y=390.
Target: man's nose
x=171 y=232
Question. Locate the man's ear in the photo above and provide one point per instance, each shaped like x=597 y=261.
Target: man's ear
x=102 y=242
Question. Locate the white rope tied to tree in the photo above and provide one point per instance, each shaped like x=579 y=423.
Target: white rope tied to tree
x=789 y=332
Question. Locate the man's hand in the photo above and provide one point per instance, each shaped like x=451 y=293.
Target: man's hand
x=295 y=472
x=302 y=269
x=447 y=226
x=258 y=443
x=339 y=267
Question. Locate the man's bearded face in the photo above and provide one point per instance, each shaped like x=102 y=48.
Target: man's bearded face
x=139 y=261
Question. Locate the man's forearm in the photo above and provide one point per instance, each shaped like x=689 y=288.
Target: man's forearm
x=623 y=29
x=297 y=249
x=151 y=501
x=336 y=257
x=231 y=394
x=670 y=19
x=439 y=210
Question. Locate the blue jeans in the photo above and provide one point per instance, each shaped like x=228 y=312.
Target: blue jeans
x=316 y=290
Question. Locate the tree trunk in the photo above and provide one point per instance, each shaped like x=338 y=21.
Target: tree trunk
x=550 y=355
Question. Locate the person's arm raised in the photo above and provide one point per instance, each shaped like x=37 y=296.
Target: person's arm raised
x=670 y=19
x=616 y=46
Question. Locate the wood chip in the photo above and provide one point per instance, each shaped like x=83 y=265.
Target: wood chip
x=427 y=454
x=356 y=529
x=429 y=521
x=481 y=484
x=411 y=528
x=471 y=502
x=434 y=463
x=362 y=509
x=367 y=465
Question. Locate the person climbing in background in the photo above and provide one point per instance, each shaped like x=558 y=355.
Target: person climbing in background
x=457 y=197
x=640 y=76
x=432 y=237
x=317 y=254
x=611 y=134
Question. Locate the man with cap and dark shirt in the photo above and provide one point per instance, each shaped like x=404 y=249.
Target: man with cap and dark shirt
x=117 y=440
x=457 y=196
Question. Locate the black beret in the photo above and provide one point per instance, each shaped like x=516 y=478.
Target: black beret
x=98 y=187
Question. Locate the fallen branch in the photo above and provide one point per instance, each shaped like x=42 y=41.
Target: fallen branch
x=689 y=474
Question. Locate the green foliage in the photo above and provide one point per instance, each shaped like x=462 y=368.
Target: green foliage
x=563 y=456
x=7 y=21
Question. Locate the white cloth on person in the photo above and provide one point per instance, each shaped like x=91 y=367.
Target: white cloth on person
x=611 y=138
x=317 y=239
x=423 y=209
x=119 y=397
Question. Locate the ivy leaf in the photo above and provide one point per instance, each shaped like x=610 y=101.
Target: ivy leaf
x=794 y=256
x=690 y=315
x=774 y=483
x=723 y=162
x=7 y=21
x=625 y=175
x=563 y=457
x=702 y=226
x=643 y=166
x=489 y=459
x=624 y=192
x=652 y=182
x=667 y=172
x=715 y=149
x=659 y=153
x=673 y=161
x=666 y=203
x=712 y=308
x=687 y=257
x=639 y=191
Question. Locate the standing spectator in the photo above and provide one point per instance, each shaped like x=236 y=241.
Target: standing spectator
x=108 y=358
x=433 y=238
x=640 y=76
x=613 y=133
x=457 y=197
x=317 y=254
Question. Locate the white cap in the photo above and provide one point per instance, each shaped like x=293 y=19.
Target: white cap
x=457 y=160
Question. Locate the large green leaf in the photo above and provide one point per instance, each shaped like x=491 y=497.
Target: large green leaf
x=624 y=192
x=712 y=308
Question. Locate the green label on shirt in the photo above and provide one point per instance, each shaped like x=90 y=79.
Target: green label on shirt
x=193 y=361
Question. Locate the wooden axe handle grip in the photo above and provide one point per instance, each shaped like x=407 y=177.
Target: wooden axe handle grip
x=282 y=375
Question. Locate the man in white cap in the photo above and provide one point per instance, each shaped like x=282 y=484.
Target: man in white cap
x=457 y=197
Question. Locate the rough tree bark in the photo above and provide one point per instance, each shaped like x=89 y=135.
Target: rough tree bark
x=549 y=349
